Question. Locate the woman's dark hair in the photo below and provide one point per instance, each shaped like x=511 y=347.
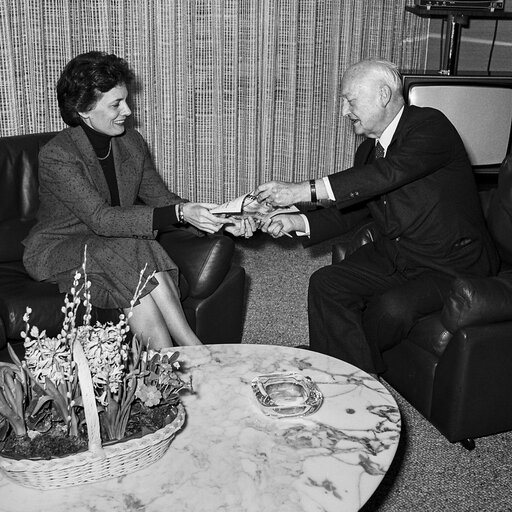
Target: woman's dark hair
x=83 y=80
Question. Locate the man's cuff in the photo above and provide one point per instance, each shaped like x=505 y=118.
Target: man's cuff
x=307 y=231
x=330 y=193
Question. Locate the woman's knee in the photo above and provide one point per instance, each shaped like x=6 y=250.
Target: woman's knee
x=166 y=287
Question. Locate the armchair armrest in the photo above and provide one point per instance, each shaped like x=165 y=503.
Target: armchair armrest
x=204 y=261
x=478 y=301
x=354 y=239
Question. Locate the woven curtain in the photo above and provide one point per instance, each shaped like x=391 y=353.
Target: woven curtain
x=230 y=93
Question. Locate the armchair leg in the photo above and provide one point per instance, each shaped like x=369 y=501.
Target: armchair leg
x=469 y=444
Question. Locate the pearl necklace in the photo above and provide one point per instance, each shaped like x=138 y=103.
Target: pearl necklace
x=109 y=150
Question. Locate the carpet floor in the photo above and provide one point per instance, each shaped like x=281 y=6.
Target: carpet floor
x=428 y=472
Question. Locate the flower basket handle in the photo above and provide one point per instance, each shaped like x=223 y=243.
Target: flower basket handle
x=89 y=400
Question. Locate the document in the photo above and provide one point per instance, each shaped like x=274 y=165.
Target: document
x=235 y=206
x=247 y=205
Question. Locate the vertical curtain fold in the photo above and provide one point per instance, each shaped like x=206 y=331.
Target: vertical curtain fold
x=231 y=92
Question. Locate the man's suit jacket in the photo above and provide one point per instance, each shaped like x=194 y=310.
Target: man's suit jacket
x=75 y=199
x=422 y=197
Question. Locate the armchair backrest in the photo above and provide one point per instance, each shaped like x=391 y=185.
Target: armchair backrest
x=499 y=213
x=19 y=194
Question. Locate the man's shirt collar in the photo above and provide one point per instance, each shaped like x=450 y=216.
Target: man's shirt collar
x=387 y=135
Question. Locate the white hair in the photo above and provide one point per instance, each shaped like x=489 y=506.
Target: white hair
x=384 y=70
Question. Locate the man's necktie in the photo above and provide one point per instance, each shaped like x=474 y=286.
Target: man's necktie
x=379 y=151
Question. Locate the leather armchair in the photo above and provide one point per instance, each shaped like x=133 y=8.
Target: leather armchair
x=211 y=285
x=455 y=366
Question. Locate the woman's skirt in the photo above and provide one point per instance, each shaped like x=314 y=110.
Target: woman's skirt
x=114 y=266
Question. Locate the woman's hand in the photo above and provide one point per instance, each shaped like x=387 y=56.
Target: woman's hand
x=241 y=226
x=198 y=214
x=280 y=225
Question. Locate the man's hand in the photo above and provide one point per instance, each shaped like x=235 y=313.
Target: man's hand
x=281 y=224
x=282 y=193
x=199 y=216
x=241 y=226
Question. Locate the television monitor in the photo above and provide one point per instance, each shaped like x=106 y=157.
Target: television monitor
x=480 y=107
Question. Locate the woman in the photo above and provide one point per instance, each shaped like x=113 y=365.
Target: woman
x=99 y=188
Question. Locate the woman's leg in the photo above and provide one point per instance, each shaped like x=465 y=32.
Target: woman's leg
x=159 y=319
x=167 y=298
x=147 y=323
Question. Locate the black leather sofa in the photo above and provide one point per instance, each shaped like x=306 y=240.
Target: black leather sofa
x=212 y=286
x=455 y=366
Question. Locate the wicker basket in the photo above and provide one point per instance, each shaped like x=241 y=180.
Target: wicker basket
x=98 y=463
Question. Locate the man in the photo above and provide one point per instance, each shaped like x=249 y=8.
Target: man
x=412 y=176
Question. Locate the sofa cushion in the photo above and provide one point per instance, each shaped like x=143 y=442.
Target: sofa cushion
x=478 y=301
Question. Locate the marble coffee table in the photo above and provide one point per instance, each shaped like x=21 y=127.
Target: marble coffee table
x=231 y=457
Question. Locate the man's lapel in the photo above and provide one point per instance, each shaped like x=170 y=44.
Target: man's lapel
x=365 y=152
x=400 y=126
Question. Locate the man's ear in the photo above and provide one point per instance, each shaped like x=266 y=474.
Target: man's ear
x=385 y=95
x=84 y=115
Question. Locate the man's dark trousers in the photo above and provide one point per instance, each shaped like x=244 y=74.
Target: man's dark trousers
x=368 y=302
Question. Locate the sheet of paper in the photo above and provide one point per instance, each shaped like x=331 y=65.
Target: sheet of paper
x=247 y=205
x=232 y=207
